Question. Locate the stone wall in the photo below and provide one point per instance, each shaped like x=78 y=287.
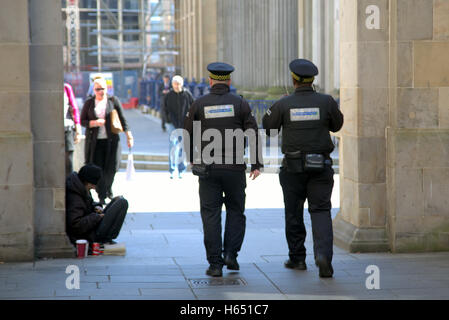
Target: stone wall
x=16 y=141
x=46 y=100
x=394 y=95
x=418 y=134
x=32 y=218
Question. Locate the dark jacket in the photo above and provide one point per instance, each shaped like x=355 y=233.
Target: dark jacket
x=162 y=96
x=81 y=218
x=239 y=117
x=176 y=106
x=306 y=117
x=114 y=152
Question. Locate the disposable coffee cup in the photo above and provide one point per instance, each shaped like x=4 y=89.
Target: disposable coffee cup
x=82 y=247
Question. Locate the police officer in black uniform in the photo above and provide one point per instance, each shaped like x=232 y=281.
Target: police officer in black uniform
x=306 y=118
x=223 y=181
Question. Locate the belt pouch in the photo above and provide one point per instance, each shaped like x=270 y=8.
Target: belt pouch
x=200 y=170
x=294 y=162
x=314 y=162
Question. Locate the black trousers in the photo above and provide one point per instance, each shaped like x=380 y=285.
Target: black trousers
x=107 y=179
x=317 y=189
x=223 y=187
x=114 y=215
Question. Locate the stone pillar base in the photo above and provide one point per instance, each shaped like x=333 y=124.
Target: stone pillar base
x=54 y=246
x=421 y=242
x=354 y=239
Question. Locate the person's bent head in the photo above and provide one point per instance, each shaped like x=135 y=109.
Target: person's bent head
x=177 y=83
x=220 y=73
x=89 y=175
x=303 y=72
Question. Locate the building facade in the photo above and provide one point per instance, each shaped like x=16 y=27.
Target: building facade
x=260 y=38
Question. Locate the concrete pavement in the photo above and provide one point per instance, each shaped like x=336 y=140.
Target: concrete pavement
x=165 y=256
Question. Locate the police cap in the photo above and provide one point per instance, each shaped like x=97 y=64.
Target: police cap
x=303 y=70
x=220 y=71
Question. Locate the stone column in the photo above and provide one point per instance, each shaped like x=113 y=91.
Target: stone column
x=395 y=141
x=361 y=223
x=46 y=100
x=16 y=141
x=418 y=134
x=209 y=28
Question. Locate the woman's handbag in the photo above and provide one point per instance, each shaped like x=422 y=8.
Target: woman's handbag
x=116 y=125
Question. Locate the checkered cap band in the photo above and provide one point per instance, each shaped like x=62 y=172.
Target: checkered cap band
x=219 y=77
x=300 y=79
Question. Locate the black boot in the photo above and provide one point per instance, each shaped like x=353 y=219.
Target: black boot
x=230 y=261
x=214 y=271
x=325 y=267
x=297 y=265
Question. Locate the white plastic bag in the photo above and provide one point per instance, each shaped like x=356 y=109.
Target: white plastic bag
x=130 y=170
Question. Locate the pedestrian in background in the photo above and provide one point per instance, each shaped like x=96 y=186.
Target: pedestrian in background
x=103 y=147
x=72 y=126
x=164 y=89
x=222 y=181
x=176 y=104
x=306 y=117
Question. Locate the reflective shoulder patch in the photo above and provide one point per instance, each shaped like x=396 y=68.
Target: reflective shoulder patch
x=269 y=112
x=223 y=111
x=304 y=114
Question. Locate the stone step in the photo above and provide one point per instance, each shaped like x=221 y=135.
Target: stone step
x=164 y=158
x=160 y=163
x=147 y=157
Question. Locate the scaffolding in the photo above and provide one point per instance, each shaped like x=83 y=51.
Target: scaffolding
x=108 y=35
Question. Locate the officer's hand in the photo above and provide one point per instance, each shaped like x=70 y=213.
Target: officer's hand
x=254 y=174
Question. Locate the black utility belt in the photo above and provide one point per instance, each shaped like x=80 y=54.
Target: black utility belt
x=306 y=162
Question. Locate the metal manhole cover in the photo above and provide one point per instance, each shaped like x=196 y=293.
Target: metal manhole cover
x=200 y=283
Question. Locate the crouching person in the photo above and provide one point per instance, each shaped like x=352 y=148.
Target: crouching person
x=86 y=219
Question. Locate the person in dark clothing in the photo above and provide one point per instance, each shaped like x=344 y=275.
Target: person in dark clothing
x=164 y=89
x=223 y=179
x=176 y=104
x=86 y=219
x=306 y=117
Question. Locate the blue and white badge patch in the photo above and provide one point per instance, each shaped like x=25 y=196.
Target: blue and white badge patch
x=223 y=111
x=304 y=114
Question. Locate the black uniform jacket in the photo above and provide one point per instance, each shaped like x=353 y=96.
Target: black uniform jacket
x=176 y=106
x=114 y=151
x=306 y=117
x=81 y=218
x=221 y=110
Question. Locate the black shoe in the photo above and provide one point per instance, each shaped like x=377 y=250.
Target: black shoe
x=325 y=267
x=298 y=265
x=214 y=271
x=231 y=262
